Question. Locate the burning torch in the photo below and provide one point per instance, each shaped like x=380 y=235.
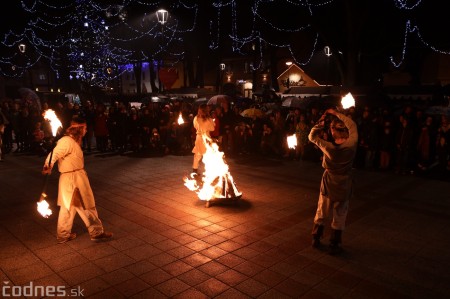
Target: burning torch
x=292 y=141
x=55 y=123
x=180 y=119
x=348 y=101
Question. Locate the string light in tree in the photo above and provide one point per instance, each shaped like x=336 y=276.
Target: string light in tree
x=89 y=41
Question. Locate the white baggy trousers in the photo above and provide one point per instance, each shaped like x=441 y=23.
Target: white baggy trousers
x=67 y=216
x=325 y=207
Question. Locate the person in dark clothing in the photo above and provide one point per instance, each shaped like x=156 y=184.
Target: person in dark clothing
x=386 y=146
x=6 y=119
x=89 y=115
x=146 y=123
x=3 y=123
x=121 y=129
x=101 y=128
x=404 y=146
x=226 y=128
x=268 y=146
x=426 y=144
x=367 y=135
x=133 y=128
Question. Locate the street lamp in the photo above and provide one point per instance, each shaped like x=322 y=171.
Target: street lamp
x=22 y=48
x=288 y=63
x=222 y=71
x=328 y=53
x=162 y=16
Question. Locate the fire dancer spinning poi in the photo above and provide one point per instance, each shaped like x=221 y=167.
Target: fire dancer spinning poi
x=74 y=192
x=337 y=179
x=215 y=181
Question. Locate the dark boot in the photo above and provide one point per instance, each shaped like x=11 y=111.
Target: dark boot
x=317 y=233
x=335 y=240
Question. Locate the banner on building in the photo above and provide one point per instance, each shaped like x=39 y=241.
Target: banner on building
x=168 y=76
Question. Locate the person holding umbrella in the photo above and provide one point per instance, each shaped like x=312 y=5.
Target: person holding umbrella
x=337 y=180
x=74 y=192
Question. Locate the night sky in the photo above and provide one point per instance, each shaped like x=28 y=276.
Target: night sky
x=374 y=28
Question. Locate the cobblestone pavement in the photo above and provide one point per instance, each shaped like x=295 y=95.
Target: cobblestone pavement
x=168 y=244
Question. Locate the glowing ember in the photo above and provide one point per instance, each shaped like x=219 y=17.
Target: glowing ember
x=348 y=101
x=292 y=141
x=216 y=181
x=55 y=123
x=180 y=120
x=43 y=206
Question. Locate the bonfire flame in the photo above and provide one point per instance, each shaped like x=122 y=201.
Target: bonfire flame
x=292 y=141
x=180 y=120
x=55 y=123
x=217 y=181
x=348 y=101
x=43 y=206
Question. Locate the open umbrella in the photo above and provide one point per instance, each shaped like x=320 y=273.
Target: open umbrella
x=30 y=97
x=199 y=101
x=438 y=110
x=252 y=112
x=295 y=102
x=219 y=99
x=160 y=99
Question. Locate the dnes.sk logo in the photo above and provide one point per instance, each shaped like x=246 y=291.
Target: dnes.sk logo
x=31 y=290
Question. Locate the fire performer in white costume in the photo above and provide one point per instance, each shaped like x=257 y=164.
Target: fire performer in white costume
x=203 y=124
x=336 y=185
x=215 y=182
x=74 y=192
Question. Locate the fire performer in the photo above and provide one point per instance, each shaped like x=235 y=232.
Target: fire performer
x=74 y=192
x=337 y=181
x=216 y=180
x=203 y=124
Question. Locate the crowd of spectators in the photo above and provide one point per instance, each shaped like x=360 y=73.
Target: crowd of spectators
x=405 y=141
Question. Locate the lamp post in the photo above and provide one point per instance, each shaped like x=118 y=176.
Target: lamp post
x=222 y=71
x=288 y=80
x=22 y=48
x=328 y=53
x=162 y=15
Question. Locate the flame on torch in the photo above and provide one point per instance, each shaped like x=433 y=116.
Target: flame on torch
x=55 y=123
x=180 y=120
x=43 y=207
x=292 y=141
x=348 y=101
